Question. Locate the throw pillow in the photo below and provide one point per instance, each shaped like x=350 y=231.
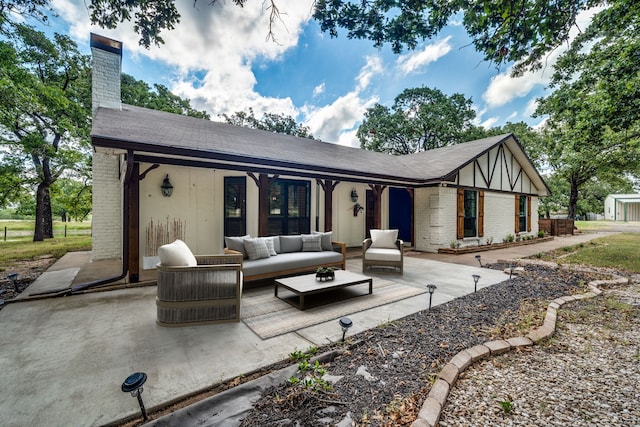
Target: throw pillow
x=256 y=248
x=311 y=243
x=176 y=254
x=237 y=244
x=326 y=239
x=271 y=244
x=290 y=244
x=384 y=238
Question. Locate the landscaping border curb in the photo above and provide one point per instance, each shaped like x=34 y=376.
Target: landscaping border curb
x=429 y=414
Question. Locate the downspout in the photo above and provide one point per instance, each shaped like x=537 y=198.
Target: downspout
x=125 y=247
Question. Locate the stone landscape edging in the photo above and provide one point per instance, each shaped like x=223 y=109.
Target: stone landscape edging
x=429 y=414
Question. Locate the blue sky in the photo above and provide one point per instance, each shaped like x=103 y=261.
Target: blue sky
x=219 y=57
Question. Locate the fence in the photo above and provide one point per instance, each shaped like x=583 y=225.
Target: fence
x=57 y=232
x=556 y=227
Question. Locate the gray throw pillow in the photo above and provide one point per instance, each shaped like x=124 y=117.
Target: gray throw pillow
x=311 y=243
x=236 y=244
x=290 y=244
x=271 y=244
x=326 y=239
x=256 y=248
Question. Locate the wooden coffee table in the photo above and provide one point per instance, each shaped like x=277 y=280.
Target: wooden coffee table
x=308 y=285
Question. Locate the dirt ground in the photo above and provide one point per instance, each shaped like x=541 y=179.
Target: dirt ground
x=27 y=270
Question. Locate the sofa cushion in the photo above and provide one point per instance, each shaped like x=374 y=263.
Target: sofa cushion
x=271 y=244
x=237 y=244
x=289 y=261
x=384 y=238
x=311 y=243
x=256 y=248
x=326 y=238
x=290 y=244
x=176 y=254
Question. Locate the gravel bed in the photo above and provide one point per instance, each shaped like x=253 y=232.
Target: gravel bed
x=382 y=376
x=588 y=374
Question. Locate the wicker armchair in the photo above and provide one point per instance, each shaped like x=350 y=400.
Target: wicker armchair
x=383 y=257
x=207 y=293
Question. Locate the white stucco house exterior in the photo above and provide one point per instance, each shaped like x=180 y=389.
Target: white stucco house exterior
x=230 y=180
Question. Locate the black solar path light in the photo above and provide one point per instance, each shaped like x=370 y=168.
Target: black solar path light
x=345 y=324
x=475 y=282
x=431 y=289
x=479 y=259
x=511 y=267
x=13 y=277
x=133 y=384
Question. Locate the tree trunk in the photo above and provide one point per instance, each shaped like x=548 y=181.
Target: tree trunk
x=573 y=200
x=44 y=221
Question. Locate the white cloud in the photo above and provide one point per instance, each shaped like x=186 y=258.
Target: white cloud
x=318 y=89
x=504 y=88
x=531 y=107
x=372 y=68
x=488 y=123
x=413 y=62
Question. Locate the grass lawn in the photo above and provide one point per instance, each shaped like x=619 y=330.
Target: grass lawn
x=618 y=251
x=19 y=244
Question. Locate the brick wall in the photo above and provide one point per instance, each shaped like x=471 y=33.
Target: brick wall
x=105 y=85
x=107 y=207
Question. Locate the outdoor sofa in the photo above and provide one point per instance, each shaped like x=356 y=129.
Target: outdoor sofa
x=277 y=256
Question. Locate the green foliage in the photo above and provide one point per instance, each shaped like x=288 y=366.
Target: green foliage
x=270 y=122
x=420 y=119
x=506 y=405
x=139 y=93
x=309 y=375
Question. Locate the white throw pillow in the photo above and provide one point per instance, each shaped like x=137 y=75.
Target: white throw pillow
x=384 y=238
x=256 y=248
x=176 y=254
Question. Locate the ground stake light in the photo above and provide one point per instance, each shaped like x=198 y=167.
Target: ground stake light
x=14 y=280
x=133 y=384
x=345 y=324
x=511 y=267
x=475 y=282
x=431 y=289
x=478 y=258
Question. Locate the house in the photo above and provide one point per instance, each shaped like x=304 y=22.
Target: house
x=622 y=207
x=159 y=176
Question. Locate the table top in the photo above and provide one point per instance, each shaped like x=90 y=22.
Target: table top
x=308 y=282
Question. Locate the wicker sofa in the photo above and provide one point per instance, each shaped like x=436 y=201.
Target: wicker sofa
x=206 y=289
x=288 y=255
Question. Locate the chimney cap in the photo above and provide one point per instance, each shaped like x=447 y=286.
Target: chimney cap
x=105 y=43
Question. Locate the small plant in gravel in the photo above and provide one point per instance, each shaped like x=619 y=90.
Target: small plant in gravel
x=506 y=405
x=310 y=375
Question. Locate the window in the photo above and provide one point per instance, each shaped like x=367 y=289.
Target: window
x=235 y=194
x=523 y=213
x=289 y=207
x=470 y=213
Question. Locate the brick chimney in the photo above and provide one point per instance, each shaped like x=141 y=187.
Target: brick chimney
x=106 y=70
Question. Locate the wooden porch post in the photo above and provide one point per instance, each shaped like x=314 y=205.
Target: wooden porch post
x=328 y=186
x=377 y=204
x=411 y=216
x=264 y=184
x=134 y=224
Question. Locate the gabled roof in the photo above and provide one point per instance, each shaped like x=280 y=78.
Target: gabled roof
x=157 y=136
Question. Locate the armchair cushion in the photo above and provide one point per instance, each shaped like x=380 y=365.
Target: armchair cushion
x=383 y=254
x=384 y=239
x=176 y=254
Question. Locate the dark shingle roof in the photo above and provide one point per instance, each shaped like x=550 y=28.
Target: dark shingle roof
x=165 y=134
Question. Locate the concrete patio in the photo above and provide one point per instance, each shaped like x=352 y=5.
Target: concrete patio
x=65 y=358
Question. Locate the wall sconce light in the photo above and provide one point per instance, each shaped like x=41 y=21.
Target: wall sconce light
x=166 y=187
x=431 y=289
x=354 y=195
x=475 y=282
x=357 y=208
x=133 y=384
x=345 y=324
